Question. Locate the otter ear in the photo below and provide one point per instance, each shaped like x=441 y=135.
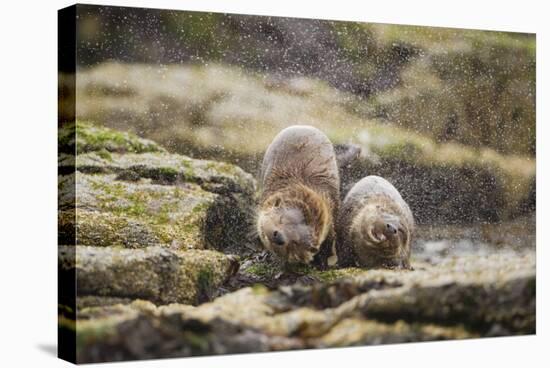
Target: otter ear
x=277 y=202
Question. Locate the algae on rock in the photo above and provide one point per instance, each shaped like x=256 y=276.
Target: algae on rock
x=155 y=273
x=151 y=197
x=86 y=137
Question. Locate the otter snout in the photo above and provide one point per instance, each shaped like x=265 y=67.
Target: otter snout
x=383 y=229
x=390 y=230
x=285 y=232
x=278 y=238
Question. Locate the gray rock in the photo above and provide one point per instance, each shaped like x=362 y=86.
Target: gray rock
x=157 y=274
x=461 y=298
x=136 y=200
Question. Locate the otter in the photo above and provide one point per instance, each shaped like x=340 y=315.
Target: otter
x=375 y=226
x=300 y=195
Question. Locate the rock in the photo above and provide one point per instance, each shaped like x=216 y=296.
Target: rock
x=142 y=331
x=463 y=95
x=358 y=332
x=475 y=87
x=139 y=214
x=88 y=137
x=463 y=297
x=444 y=183
x=157 y=274
x=168 y=169
x=136 y=200
x=146 y=225
x=87 y=301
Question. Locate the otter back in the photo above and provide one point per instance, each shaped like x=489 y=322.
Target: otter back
x=301 y=153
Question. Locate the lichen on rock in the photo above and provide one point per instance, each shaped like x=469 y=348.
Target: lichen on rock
x=371 y=307
x=155 y=273
x=84 y=137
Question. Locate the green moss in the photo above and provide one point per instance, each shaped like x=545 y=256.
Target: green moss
x=65 y=309
x=205 y=280
x=90 y=137
x=165 y=214
x=197 y=341
x=161 y=174
x=189 y=172
x=327 y=275
x=90 y=332
x=269 y=270
x=335 y=274
x=223 y=168
x=263 y=270
x=104 y=154
x=66 y=138
x=200 y=208
x=259 y=289
x=433 y=38
x=200 y=31
x=116 y=190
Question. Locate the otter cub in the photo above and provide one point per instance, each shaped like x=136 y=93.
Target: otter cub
x=375 y=226
x=299 y=202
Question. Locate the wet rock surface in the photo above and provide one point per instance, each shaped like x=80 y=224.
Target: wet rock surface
x=462 y=298
x=166 y=265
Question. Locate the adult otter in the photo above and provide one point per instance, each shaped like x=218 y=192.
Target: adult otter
x=299 y=202
x=375 y=226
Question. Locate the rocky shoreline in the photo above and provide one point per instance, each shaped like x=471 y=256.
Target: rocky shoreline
x=167 y=265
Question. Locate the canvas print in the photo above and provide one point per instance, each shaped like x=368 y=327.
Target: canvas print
x=240 y=184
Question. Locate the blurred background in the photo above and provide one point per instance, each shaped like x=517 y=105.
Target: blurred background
x=447 y=115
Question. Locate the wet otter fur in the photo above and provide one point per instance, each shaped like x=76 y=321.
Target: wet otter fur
x=375 y=226
x=300 y=195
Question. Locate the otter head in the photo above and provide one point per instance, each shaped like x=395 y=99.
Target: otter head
x=380 y=236
x=285 y=232
x=294 y=221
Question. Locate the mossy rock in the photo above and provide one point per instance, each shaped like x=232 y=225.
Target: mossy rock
x=168 y=169
x=136 y=195
x=155 y=273
x=465 y=297
x=139 y=214
x=472 y=87
x=444 y=183
x=86 y=137
x=269 y=272
x=358 y=332
x=137 y=200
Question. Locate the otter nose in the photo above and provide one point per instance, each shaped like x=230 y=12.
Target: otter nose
x=390 y=229
x=278 y=238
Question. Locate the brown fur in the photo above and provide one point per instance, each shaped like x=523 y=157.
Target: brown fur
x=299 y=171
x=363 y=215
x=316 y=207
